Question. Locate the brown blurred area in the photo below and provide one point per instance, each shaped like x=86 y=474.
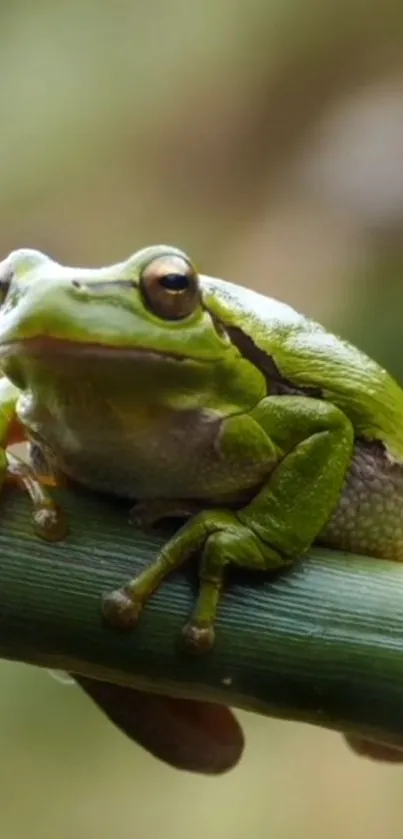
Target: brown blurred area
x=266 y=139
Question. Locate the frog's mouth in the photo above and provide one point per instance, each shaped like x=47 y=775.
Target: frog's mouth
x=53 y=351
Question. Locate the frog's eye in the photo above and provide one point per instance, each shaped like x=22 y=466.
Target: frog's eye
x=170 y=287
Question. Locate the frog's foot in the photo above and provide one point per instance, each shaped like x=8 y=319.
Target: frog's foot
x=147 y=514
x=222 y=539
x=198 y=638
x=121 y=608
x=49 y=522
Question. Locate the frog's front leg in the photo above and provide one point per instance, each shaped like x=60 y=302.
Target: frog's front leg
x=315 y=440
x=48 y=521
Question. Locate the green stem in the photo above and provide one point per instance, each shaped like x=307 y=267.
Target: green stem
x=322 y=643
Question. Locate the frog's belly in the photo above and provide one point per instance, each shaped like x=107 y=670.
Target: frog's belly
x=178 y=459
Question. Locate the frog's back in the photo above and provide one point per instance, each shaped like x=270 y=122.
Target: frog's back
x=308 y=357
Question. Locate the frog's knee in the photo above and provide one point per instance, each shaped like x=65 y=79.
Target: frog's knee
x=334 y=420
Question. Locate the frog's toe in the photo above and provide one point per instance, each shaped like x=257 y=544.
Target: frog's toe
x=50 y=523
x=121 y=609
x=198 y=638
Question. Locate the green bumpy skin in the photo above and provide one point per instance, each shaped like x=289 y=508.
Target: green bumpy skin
x=196 y=397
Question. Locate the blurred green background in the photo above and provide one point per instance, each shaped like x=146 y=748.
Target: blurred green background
x=266 y=138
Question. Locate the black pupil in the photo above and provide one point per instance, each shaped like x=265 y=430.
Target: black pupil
x=175 y=282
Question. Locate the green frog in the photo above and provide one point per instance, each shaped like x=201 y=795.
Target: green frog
x=196 y=397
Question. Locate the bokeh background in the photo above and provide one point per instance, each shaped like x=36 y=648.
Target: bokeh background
x=266 y=138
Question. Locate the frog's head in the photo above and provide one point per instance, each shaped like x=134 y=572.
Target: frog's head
x=147 y=309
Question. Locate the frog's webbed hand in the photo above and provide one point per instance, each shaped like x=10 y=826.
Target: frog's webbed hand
x=48 y=520
x=281 y=522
